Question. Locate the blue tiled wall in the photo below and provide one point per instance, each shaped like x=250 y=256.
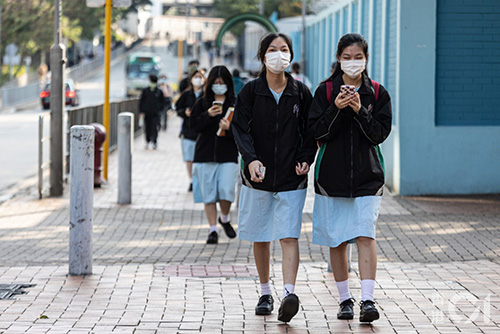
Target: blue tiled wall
x=468 y=62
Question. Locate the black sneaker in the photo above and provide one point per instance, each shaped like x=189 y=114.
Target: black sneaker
x=213 y=238
x=228 y=229
x=346 y=311
x=265 y=305
x=368 y=312
x=288 y=308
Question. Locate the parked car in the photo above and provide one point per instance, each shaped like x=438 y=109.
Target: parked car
x=71 y=94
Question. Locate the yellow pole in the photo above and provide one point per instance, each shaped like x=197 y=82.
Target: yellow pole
x=179 y=59
x=107 y=60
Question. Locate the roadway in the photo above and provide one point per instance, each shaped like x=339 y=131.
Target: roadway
x=19 y=128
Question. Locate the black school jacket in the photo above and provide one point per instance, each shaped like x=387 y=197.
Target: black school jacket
x=347 y=164
x=210 y=147
x=274 y=134
x=151 y=102
x=186 y=100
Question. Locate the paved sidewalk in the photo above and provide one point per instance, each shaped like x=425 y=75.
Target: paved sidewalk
x=438 y=270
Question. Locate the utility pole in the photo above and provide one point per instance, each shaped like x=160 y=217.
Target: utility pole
x=261 y=7
x=56 y=105
x=303 y=39
x=107 y=71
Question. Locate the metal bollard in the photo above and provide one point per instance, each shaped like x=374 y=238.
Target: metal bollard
x=81 y=200
x=125 y=147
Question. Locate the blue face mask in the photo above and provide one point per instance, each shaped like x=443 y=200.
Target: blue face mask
x=219 y=89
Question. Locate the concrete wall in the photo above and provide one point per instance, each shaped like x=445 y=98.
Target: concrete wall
x=410 y=45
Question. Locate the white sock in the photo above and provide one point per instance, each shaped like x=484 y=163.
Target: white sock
x=265 y=289
x=224 y=218
x=344 y=292
x=288 y=289
x=213 y=228
x=367 y=288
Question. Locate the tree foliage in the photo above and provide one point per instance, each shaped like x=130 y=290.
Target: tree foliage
x=30 y=23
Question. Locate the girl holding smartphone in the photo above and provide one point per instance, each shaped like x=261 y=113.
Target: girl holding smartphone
x=349 y=123
x=269 y=126
x=215 y=168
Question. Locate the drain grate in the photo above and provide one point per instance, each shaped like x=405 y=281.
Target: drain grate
x=238 y=271
x=8 y=291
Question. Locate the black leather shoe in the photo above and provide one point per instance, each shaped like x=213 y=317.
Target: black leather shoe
x=265 y=305
x=288 y=308
x=368 y=312
x=213 y=238
x=228 y=229
x=346 y=311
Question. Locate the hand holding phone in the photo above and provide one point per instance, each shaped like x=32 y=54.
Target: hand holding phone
x=216 y=108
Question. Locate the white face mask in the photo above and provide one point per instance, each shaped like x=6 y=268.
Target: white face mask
x=353 y=68
x=219 y=89
x=277 y=62
x=197 y=82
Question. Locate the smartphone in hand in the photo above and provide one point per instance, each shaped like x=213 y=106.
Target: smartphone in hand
x=347 y=89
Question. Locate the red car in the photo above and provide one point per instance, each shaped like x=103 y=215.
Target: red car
x=70 y=92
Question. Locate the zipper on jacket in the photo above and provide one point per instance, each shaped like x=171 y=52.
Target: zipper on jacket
x=352 y=161
x=276 y=146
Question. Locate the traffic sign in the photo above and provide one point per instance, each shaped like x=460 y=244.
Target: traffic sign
x=11 y=50
x=11 y=60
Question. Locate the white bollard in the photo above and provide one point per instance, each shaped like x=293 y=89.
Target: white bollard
x=125 y=147
x=81 y=199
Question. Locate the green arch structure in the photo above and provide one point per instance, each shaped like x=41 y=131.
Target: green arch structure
x=263 y=21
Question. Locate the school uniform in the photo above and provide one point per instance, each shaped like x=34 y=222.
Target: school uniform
x=271 y=128
x=187 y=135
x=349 y=176
x=215 y=168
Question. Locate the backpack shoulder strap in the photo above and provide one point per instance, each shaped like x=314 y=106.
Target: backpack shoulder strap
x=376 y=89
x=329 y=88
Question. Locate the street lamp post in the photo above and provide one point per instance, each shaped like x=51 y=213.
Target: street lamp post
x=56 y=105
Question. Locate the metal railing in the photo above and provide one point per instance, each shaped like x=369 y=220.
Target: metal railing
x=42 y=165
x=94 y=114
x=85 y=116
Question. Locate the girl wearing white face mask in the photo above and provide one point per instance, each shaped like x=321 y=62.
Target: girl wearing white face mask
x=350 y=123
x=184 y=106
x=269 y=126
x=215 y=168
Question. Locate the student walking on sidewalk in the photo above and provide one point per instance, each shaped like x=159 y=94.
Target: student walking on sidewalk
x=350 y=123
x=184 y=106
x=269 y=126
x=215 y=168
x=151 y=104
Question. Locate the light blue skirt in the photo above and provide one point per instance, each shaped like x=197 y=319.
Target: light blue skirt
x=214 y=181
x=265 y=216
x=188 y=146
x=337 y=219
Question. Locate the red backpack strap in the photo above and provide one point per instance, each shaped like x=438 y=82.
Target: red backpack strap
x=376 y=89
x=329 y=88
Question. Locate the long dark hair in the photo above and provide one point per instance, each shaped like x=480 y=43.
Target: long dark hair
x=218 y=72
x=344 y=42
x=266 y=41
